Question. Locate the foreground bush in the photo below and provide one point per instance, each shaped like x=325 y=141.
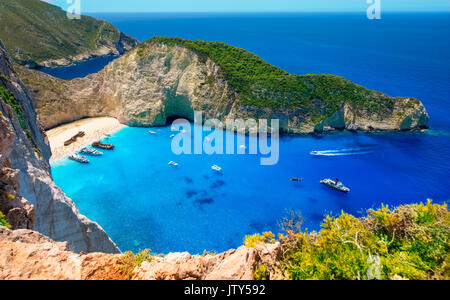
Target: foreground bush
x=3 y=221
x=408 y=242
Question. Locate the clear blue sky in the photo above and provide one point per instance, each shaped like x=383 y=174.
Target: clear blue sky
x=253 y=5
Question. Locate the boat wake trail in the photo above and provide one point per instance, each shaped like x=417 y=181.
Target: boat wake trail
x=343 y=152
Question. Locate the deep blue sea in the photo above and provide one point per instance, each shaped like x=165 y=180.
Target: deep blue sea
x=142 y=202
x=80 y=69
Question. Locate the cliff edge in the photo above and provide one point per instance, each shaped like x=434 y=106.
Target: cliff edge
x=28 y=196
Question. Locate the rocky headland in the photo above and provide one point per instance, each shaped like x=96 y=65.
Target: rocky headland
x=38 y=34
x=166 y=77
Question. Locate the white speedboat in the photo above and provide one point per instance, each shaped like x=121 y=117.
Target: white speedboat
x=90 y=151
x=172 y=163
x=335 y=184
x=79 y=158
x=216 y=168
x=152 y=132
x=172 y=136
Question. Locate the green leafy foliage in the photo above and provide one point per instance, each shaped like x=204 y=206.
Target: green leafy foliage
x=11 y=100
x=3 y=221
x=410 y=241
x=263 y=85
x=129 y=261
x=250 y=241
x=261 y=273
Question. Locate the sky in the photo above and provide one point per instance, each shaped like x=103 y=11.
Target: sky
x=253 y=5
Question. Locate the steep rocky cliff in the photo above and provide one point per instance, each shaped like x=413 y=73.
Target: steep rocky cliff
x=172 y=77
x=38 y=34
x=28 y=196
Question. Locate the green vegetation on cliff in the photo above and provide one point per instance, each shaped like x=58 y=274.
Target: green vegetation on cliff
x=3 y=221
x=11 y=100
x=34 y=31
x=263 y=85
x=410 y=242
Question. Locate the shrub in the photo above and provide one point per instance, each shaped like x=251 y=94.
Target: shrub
x=250 y=241
x=410 y=241
x=261 y=273
x=129 y=261
x=3 y=221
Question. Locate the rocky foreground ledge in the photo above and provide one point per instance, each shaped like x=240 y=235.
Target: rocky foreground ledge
x=26 y=254
x=167 y=77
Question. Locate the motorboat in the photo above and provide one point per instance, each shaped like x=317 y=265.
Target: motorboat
x=216 y=168
x=335 y=184
x=172 y=163
x=90 y=151
x=296 y=179
x=79 y=158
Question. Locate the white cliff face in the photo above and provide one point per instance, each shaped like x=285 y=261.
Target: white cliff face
x=153 y=82
x=55 y=215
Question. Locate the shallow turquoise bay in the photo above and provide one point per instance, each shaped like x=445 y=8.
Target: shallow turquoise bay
x=142 y=202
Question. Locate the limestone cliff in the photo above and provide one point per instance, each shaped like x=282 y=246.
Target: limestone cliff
x=29 y=197
x=157 y=80
x=38 y=257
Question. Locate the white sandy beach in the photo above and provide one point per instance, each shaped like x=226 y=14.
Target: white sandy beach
x=95 y=129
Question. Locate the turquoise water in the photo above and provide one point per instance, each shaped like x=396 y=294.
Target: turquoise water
x=144 y=203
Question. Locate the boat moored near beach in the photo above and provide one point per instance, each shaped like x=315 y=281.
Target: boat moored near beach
x=79 y=158
x=100 y=145
x=90 y=151
x=335 y=184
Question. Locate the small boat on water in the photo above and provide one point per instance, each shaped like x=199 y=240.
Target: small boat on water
x=172 y=136
x=103 y=146
x=335 y=184
x=172 y=163
x=152 y=132
x=79 y=158
x=314 y=153
x=90 y=151
x=296 y=179
x=216 y=168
